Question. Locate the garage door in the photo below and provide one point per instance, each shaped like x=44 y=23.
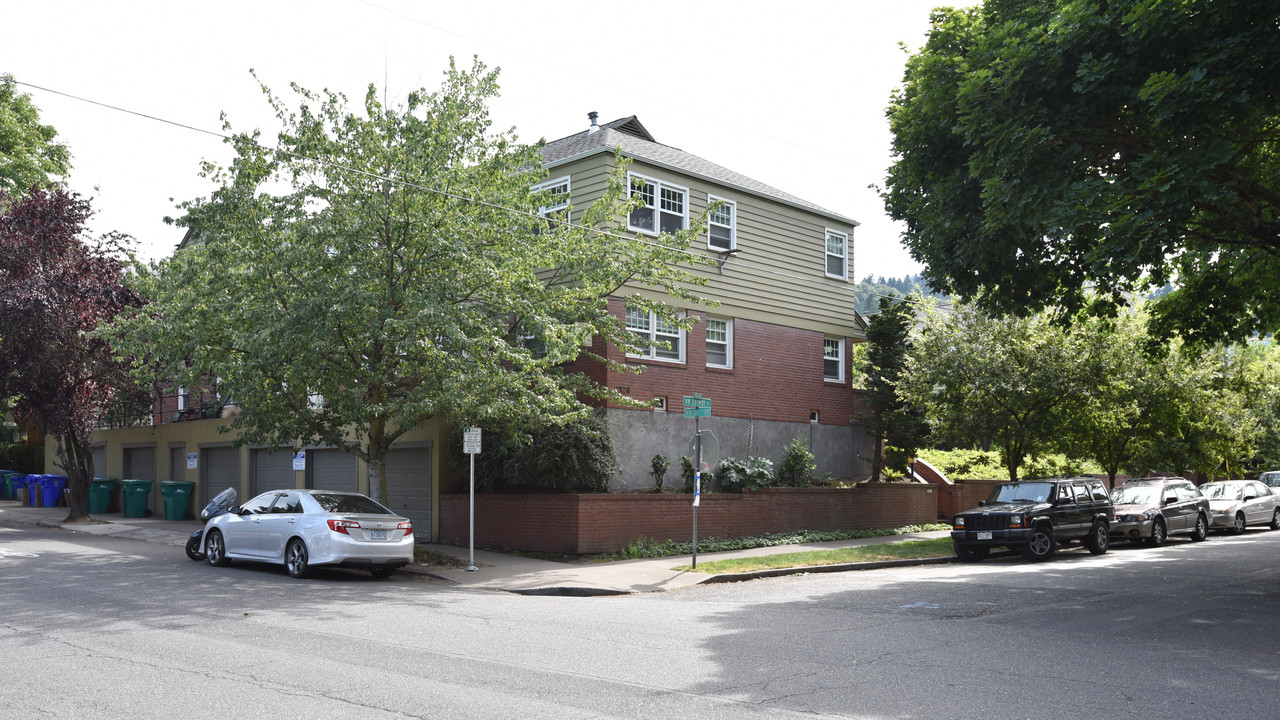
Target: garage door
x=271 y=471
x=409 y=488
x=100 y=461
x=140 y=464
x=331 y=470
x=220 y=469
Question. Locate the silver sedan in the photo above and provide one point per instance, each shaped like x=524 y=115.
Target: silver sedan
x=1236 y=504
x=303 y=528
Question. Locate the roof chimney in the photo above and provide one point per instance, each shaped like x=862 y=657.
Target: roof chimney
x=595 y=126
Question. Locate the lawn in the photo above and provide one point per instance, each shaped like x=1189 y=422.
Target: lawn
x=937 y=547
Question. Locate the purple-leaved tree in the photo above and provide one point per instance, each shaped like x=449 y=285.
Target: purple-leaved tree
x=57 y=286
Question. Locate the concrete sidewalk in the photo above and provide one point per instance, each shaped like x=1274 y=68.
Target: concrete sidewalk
x=500 y=571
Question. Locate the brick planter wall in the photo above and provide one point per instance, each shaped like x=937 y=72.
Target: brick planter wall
x=583 y=524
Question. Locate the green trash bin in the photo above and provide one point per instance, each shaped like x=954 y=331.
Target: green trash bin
x=137 y=494
x=177 y=498
x=7 y=488
x=100 y=491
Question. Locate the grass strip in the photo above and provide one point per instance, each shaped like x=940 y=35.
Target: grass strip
x=911 y=549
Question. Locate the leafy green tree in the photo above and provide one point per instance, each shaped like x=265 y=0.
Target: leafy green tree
x=1133 y=395
x=29 y=156
x=387 y=266
x=1049 y=151
x=894 y=422
x=1003 y=380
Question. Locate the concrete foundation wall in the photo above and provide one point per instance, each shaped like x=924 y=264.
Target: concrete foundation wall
x=638 y=435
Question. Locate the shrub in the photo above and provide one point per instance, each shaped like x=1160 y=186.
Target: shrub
x=569 y=458
x=658 y=469
x=686 y=472
x=736 y=475
x=797 y=466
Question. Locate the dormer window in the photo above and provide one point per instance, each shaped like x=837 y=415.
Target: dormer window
x=664 y=207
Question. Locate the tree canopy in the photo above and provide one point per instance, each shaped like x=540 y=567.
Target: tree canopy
x=1048 y=150
x=56 y=289
x=28 y=153
x=387 y=265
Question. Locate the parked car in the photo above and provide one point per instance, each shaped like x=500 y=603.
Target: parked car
x=1034 y=517
x=1270 y=479
x=304 y=528
x=1152 y=509
x=1236 y=504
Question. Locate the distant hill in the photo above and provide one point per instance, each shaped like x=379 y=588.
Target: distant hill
x=872 y=288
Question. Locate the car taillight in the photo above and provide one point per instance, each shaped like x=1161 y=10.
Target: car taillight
x=340 y=526
x=407 y=527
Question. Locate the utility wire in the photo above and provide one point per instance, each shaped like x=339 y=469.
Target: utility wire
x=699 y=256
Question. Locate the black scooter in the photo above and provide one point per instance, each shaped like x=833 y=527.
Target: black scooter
x=219 y=505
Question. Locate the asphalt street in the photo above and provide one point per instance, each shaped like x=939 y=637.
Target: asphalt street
x=102 y=627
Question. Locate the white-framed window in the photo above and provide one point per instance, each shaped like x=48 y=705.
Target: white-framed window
x=660 y=404
x=833 y=359
x=662 y=340
x=665 y=207
x=837 y=254
x=722 y=224
x=719 y=342
x=558 y=190
x=182 y=398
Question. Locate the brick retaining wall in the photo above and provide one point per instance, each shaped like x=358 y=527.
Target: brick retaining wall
x=583 y=524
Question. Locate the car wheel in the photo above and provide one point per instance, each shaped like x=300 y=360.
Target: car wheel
x=295 y=559
x=1098 y=538
x=1275 y=520
x=1040 y=546
x=971 y=553
x=193 y=549
x=1202 y=529
x=1158 y=534
x=1239 y=526
x=382 y=573
x=215 y=550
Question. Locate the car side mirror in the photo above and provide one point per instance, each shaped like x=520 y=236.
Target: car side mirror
x=1171 y=499
x=1062 y=501
x=235 y=510
x=982 y=503
x=1250 y=497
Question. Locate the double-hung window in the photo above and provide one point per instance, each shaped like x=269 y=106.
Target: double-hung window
x=660 y=339
x=557 y=197
x=837 y=254
x=719 y=342
x=833 y=359
x=722 y=224
x=664 y=207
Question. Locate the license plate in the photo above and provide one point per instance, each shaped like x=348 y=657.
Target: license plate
x=382 y=534
x=984 y=534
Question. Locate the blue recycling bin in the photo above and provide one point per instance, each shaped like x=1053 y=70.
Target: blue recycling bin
x=51 y=487
x=33 y=491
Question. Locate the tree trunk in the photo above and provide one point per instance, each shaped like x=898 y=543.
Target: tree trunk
x=877 y=458
x=77 y=462
x=378 y=460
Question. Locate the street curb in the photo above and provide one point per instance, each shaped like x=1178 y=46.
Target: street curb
x=813 y=569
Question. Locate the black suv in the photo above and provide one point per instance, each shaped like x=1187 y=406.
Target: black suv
x=1034 y=516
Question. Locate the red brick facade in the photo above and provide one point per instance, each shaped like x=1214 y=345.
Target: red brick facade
x=607 y=523
x=776 y=374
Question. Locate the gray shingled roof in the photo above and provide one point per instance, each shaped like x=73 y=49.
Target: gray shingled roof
x=625 y=133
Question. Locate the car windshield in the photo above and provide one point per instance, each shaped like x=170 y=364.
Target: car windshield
x=349 y=504
x=1136 y=495
x=1271 y=478
x=1220 y=491
x=1021 y=492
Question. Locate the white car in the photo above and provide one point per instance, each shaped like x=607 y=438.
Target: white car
x=303 y=528
x=1236 y=504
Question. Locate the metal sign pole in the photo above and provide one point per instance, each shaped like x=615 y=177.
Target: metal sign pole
x=471 y=552
x=697 y=485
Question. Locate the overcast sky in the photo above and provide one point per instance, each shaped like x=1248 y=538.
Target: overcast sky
x=790 y=94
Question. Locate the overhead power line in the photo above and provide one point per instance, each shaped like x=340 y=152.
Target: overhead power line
x=698 y=256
